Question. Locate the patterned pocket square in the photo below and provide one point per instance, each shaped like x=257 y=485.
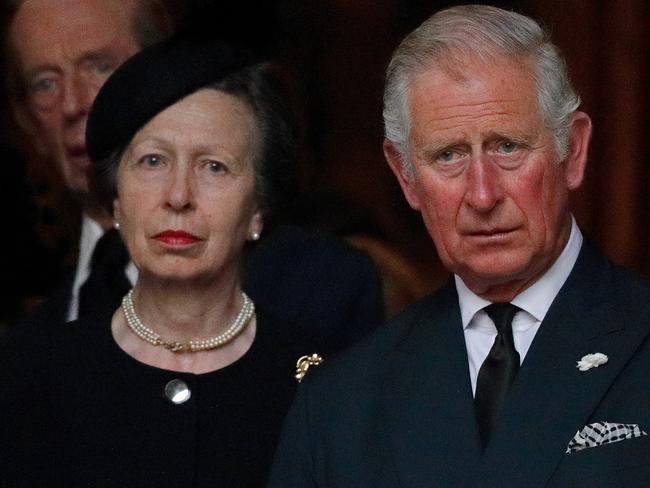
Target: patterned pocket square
x=600 y=433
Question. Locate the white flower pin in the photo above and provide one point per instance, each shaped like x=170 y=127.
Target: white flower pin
x=592 y=361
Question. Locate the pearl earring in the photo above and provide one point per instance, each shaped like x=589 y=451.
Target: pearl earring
x=254 y=236
x=116 y=225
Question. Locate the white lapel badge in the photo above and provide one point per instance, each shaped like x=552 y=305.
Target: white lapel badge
x=592 y=361
x=303 y=364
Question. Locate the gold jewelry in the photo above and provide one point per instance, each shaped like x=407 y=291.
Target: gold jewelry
x=146 y=334
x=303 y=363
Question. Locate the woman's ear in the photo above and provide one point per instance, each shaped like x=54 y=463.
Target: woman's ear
x=256 y=226
x=116 y=211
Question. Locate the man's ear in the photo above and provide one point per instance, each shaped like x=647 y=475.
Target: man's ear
x=402 y=172
x=576 y=159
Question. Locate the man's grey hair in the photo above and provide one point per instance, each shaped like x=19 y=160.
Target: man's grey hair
x=471 y=32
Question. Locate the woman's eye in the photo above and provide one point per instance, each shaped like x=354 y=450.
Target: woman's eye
x=151 y=160
x=216 y=166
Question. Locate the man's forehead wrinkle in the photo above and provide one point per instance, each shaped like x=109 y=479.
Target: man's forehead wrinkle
x=449 y=117
x=493 y=106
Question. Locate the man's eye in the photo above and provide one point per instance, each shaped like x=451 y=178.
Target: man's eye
x=447 y=156
x=104 y=67
x=508 y=147
x=42 y=85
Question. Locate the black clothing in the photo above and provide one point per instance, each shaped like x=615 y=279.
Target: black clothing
x=317 y=281
x=107 y=283
x=82 y=412
x=23 y=255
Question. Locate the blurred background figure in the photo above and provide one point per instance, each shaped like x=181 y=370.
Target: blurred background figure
x=59 y=55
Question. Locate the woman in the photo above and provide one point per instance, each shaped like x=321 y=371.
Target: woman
x=187 y=382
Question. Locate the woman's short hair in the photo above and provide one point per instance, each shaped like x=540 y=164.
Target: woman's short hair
x=160 y=76
x=471 y=32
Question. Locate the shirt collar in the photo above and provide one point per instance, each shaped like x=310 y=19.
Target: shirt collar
x=537 y=298
x=91 y=232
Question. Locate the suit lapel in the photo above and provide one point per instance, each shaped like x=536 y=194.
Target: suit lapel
x=427 y=398
x=550 y=398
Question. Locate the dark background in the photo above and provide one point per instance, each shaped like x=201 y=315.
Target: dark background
x=334 y=53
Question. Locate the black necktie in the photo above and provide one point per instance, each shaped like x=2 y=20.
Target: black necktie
x=497 y=371
x=107 y=283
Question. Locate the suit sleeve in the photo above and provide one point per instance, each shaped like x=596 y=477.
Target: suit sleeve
x=294 y=459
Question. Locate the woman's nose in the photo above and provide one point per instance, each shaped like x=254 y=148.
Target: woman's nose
x=180 y=193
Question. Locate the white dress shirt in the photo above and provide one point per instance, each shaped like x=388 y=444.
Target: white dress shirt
x=534 y=302
x=91 y=232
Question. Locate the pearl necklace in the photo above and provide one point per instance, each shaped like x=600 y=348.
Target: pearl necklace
x=146 y=334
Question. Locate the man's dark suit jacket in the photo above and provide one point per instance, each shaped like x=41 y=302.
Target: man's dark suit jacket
x=309 y=278
x=397 y=410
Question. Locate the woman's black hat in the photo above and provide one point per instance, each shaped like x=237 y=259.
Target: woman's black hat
x=152 y=80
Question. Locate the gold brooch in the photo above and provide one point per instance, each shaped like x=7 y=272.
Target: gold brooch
x=303 y=363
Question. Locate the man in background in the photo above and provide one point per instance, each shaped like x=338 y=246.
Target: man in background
x=530 y=368
x=59 y=55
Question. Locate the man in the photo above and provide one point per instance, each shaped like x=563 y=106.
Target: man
x=63 y=52
x=60 y=54
x=548 y=385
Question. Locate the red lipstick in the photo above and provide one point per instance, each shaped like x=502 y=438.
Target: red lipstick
x=176 y=238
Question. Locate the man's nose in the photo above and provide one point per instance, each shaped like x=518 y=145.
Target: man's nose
x=78 y=96
x=483 y=191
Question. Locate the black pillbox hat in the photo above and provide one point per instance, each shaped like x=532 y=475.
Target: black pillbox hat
x=152 y=80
